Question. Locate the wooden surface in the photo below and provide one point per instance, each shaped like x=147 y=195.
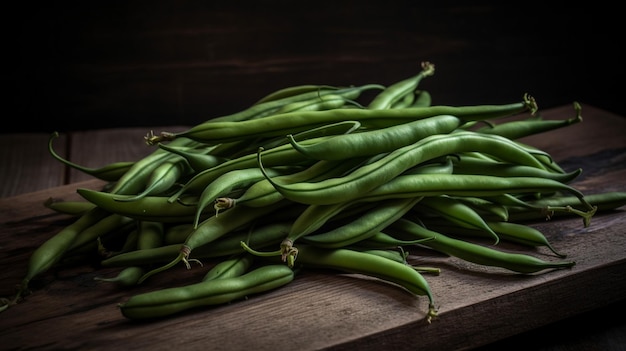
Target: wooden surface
x=477 y=306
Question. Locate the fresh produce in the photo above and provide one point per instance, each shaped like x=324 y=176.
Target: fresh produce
x=314 y=176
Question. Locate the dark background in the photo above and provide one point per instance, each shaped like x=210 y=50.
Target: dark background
x=100 y=64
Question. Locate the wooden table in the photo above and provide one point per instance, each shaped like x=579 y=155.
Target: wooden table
x=69 y=310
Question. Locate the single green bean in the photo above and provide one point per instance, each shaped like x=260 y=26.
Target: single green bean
x=321 y=103
x=395 y=92
x=263 y=193
x=270 y=106
x=377 y=141
x=289 y=123
x=232 y=267
x=507 y=231
x=52 y=250
x=477 y=166
x=198 y=160
x=523 y=128
x=362 y=227
x=295 y=90
x=111 y=172
x=72 y=208
x=168 y=301
x=471 y=252
x=149 y=208
x=423 y=99
x=456 y=212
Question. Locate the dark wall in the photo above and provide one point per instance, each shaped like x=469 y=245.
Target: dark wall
x=101 y=64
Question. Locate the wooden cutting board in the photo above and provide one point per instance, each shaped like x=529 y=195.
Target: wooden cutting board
x=68 y=309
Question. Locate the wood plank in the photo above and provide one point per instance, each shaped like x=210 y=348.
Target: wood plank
x=318 y=310
x=29 y=167
x=25 y=158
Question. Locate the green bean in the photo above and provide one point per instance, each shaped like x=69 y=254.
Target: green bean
x=406 y=101
x=292 y=91
x=522 y=234
x=161 y=179
x=136 y=257
x=72 y=208
x=151 y=234
x=111 y=172
x=149 y=208
x=278 y=156
x=134 y=180
x=315 y=216
x=234 y=266
x=177 y=233
x=268 y=108
x=423 y=99
x=368 y=177
x=471 y=252
x=169 y=301
x=393 y=93
x=321 y=103
x=443 y=166
x=105 y=225
x=468 y=185
x=394 y=255
x=52 y=250
x=215 y=227
x=542 y=160
x=507 y=231
x=338 y=128
x=378 y=140
x=259 y=236
x=362 y=227
x=484 y=206
x=473 y=165
x=130 y=244
x=546 y=207
x=222 y=185
x=398 y=256
x=126 y=277
x=523 y=128
x=289 y=123
x=353 y=261
x=197 y=160
x=90 y=245
x=381 y=240
x=456 y=212
x=263 y=193
x=252 y=116
x=148 y=235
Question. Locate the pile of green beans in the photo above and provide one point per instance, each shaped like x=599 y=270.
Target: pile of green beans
x=313 y=176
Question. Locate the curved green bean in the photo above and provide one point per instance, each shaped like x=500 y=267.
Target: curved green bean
x=471 y=252
x=378 y=140
x=168 y=301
